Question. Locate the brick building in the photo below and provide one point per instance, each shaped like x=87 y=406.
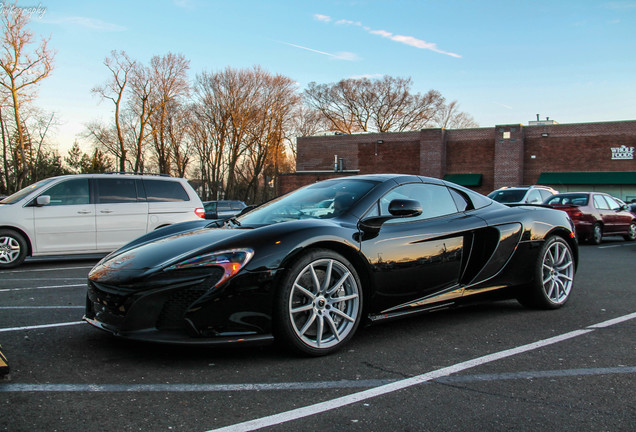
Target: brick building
x=584 y=156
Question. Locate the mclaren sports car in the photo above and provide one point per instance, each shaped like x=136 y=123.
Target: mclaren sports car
x=308 y=268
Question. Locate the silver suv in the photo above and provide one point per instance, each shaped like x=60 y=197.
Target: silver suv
x=522 y=194
x=90 y=213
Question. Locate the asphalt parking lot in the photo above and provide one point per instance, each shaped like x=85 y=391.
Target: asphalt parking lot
x=495 y=367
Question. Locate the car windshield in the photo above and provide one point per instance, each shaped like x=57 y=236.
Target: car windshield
x=12 y=199
x=322 y=200
x=568 y=199
x=508 y=195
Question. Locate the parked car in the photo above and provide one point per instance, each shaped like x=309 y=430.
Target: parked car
x=391 y=246
x=90 y=213
x=222 y=209
x=522 y=194
x=596 y=214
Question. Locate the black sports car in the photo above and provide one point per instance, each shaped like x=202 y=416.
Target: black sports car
x=310 y=266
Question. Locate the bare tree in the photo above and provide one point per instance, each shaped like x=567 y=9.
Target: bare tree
x=244 y=118
x=120 y=67
x=23 y=67
x=449 y=117
x=170 y=87
x=381 y=105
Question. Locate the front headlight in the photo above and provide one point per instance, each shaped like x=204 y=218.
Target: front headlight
x=231 y=261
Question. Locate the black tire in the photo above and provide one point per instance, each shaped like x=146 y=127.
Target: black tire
x=631 y=234
x=13 y=249
x=597 y=234
x=553 y=276
x=318 y=303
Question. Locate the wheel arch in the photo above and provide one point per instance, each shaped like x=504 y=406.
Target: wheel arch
x=571 y=241
x=352 y=255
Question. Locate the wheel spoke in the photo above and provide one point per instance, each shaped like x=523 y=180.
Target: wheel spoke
x=332 y=326
x=304 y=308
x=342 y=314
x=305 y=291
x=344 y=298
x=314 y=276
x=319 y=330
x=327 y=281
x=308 y=324
x=339 y=284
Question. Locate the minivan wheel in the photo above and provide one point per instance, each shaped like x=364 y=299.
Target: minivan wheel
x=13 y=249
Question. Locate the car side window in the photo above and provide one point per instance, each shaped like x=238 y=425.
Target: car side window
x=600 y=203
x=69 y=192
x=116 y=190
x=534 y=197
x=613 y=205
x=544 y=194
x=162 y=191
x=435 y=200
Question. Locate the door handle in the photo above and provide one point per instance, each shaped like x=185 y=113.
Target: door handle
x=105 y=211
x=84 y=212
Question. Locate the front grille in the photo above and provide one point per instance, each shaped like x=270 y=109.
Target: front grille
x=173 y=311
x=104 y=295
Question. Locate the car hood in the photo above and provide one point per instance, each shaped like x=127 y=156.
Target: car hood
x=151 y=256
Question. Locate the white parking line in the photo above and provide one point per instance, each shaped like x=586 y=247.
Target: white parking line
x=41 y=307
x=47 y=269
x=41 y=326
x=316 y=385
x=329 y=405
x=44 y=287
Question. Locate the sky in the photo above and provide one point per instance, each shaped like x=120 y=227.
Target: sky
x=504 y=62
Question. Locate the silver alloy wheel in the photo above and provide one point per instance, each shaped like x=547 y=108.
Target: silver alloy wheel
x=558 y=272
x=323 y=303
x=631 y=232
x=9 y=249
x=597 y=234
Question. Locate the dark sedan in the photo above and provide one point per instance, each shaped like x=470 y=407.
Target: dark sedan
x=309 y=267
x=596 y=214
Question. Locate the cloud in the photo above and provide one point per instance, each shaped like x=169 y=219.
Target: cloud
x=323 y=18
x=90 y=23
x=185 y=4
x=344 y=55
x=406 y=40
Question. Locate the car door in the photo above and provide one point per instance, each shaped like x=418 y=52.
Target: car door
x=120 y=215
x=416 y=257
x=621 y=219
x=605 y=213
x=67 y=223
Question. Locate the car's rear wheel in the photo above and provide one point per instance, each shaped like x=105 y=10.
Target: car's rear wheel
x=631 y=232
x=553 y=278
x=597 y=234
x=13 y=249
x=319 y=303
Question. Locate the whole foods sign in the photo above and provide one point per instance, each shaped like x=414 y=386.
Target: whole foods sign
x=622 y=152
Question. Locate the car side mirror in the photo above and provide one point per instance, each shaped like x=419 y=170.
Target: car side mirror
x=43 y=200
x=398 y=208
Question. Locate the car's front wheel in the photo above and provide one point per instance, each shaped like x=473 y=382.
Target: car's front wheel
x=553 y=278
x=319 y=303
x=631 y=232
x=13 y=249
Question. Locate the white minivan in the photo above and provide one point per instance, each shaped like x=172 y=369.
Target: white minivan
x=90 y=213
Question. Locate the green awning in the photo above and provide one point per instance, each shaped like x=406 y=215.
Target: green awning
x=588 y=178
x=464 y=179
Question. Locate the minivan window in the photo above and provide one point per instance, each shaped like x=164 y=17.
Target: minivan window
x=160 y=191
x=12 y=199
x=116 y=190
x=69 y=192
